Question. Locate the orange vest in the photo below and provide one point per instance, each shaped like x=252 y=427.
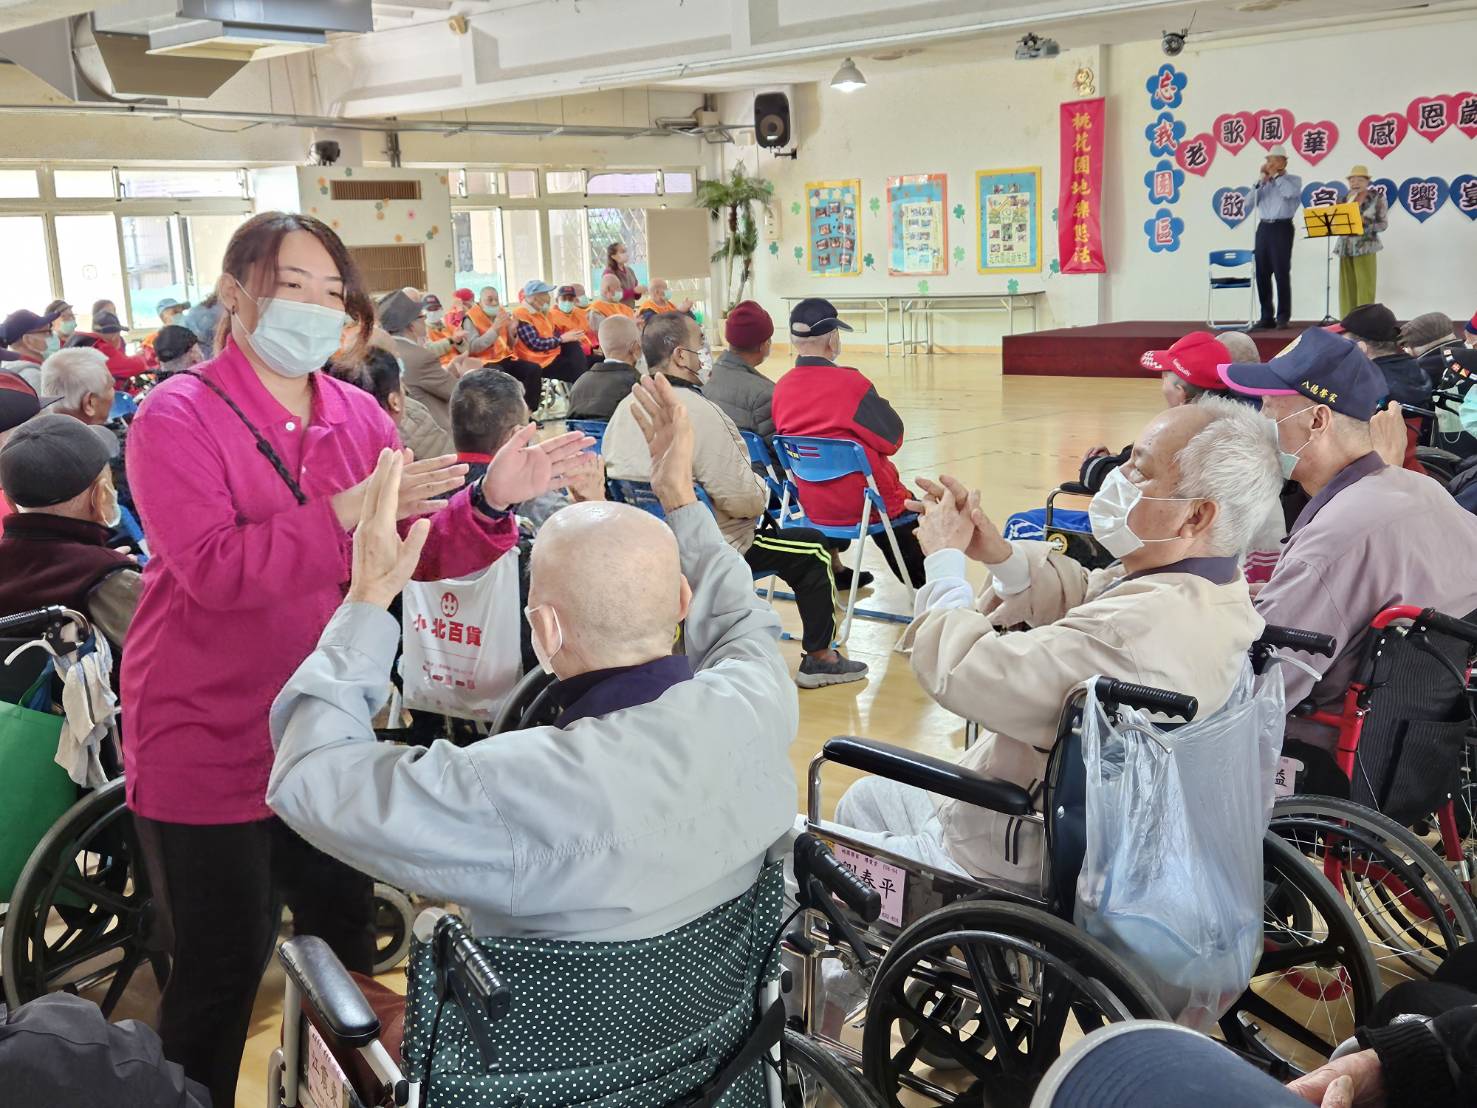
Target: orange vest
x=608 y=308
x=544 y=325
x=650 y=305
x=577 y=320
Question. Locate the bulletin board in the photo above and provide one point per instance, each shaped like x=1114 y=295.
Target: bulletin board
x=1009 y=219
x=677 y=243
x=918 y=225
x=833 y=237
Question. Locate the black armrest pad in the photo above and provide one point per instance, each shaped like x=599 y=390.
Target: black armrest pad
x=1075 y=488
x=933 y=775
x=329 y=989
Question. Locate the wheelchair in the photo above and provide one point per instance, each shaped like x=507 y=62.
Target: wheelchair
x=975 y=989
x=1403 y=760
x=1069 y=532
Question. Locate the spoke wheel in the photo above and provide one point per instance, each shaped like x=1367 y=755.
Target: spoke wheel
x=990 y=988
x=82 y=907
x=394 y=915
x=1316 y=979
x=814 y=1077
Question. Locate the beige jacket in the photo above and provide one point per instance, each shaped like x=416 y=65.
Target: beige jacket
x=1174 y=630
x=426 y=379
x=420 y=431
x=720 y=462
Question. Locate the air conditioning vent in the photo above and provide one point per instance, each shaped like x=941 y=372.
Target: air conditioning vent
x=355 y=188
x=385 y=268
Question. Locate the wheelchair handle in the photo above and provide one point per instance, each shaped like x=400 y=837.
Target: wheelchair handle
x=1449 y=625
x=821 y=864
x=468 y=971
x=1127 y=695
x=1412 y=412
x=1295 y=638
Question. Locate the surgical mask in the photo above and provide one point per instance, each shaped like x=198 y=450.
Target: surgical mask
x=539 y=308
x=583 y=301
x=69 y=327
x=489 y=305
x=434 y=317
x=53 y=344
x=293 y=338
x=1288 y=461
x=545 y=660
x=1109 y=511
x=566 y=306
x=705 y=364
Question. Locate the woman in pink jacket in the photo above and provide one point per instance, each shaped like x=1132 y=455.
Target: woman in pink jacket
x=249 y=474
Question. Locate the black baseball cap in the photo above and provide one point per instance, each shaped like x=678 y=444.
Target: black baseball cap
x=106 y=323
x=174 y=341
x=50 y=459
x=1324 y=368
x=1372 y=323
x=814 y=317
x=24 y=322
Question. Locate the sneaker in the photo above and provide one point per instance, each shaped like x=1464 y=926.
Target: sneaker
x=843 y=579
x=815 y=674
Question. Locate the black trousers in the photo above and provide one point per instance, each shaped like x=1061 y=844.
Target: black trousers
x=219 y=890
x=801 y=559
x=530 y=376
x=570 y=363
x=907 y=542
x=1274 y=264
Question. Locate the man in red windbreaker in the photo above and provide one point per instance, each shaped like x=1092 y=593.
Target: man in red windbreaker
x=819 y=397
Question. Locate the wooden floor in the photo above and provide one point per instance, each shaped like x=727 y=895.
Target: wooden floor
x=1013 y=438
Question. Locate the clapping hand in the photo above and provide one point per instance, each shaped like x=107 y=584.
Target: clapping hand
x=953 y=519
x=383 y=561
x=523 y=469
x=419 y=488
x=585 y=478
x=668 y=431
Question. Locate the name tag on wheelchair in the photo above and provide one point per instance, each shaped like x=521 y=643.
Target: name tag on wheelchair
x=885 y=877
x=327 y=1084
x=1286 y=780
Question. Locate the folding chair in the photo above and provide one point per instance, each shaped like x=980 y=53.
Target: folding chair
x=595 y=428
x=818 y=460
x=639 y=494
x=1231 y=259
x=767 y=466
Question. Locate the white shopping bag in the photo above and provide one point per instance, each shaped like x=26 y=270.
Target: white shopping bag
x=462 y=656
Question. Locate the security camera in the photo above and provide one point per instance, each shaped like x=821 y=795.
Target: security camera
x=325 y=153
x=1173 y=43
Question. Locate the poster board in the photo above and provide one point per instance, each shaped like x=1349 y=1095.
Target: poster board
x=833 y=238
x=1008 y=212
x=677 y=245
x=918 y=225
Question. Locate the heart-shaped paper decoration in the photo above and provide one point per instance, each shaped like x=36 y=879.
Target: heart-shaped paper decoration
x=1232 y=206
x=1315 y=141
x=1320 y=194
x=1464 y=195
x=1273 y=126
x=1234 y=130
x=1383 y=133
x=1389 y=190
x=1195 y=155
x=1429 y=116
x=1464 y=112
x=1422 y=197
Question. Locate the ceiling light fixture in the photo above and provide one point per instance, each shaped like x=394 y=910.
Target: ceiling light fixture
x=848 y=78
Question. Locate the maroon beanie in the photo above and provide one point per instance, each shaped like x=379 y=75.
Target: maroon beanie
x=749 y=326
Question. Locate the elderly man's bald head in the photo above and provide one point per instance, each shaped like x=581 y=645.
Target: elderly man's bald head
x=620 y=338
x=612 y=577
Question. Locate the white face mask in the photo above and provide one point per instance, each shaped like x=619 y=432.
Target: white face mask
x=1288 y=461
x=1109 y=511
x=292 y=338
x=545 y=659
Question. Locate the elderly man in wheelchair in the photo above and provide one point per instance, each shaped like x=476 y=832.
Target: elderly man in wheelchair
x=622 y=918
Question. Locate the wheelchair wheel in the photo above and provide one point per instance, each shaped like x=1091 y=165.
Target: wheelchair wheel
x=993 y=987
x=1316 y=980
x=815 y=1078
x=394 y=915
x=82 y=908
x=1409 y=901
x=532 y=703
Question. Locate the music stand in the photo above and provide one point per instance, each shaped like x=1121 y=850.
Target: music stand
x=1334 y=221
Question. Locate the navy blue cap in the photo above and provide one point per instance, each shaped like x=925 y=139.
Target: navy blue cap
x=24 y=322
x=1323 y=367
x=814 y=317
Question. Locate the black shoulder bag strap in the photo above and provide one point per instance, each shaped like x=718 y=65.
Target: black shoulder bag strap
x=262 y=444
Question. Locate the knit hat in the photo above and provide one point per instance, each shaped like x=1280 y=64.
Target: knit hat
x=1372 y=323
x=1427 y=331
x=748 y=327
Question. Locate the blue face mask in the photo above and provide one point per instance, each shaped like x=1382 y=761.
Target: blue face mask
x=1288 y=461
x=566 y=306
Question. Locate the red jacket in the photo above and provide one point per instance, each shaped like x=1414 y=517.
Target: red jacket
x=820 y=398
x=122 y=365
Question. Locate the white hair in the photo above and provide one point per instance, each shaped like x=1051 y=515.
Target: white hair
x=74 y=374
x=1232 y=460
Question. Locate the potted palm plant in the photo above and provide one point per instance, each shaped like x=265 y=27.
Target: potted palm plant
x=732 y=200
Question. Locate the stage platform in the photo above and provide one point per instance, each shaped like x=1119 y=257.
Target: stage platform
x=1111 y=349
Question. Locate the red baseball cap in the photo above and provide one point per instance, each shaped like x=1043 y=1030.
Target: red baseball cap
x=1194 y=358
x=464 y=294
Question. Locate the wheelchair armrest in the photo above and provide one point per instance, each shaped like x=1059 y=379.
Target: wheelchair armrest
x=1075 y=488
x=933 y=775
x=330 y=990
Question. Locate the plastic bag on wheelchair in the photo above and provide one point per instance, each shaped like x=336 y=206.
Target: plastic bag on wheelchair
x=1172 y=877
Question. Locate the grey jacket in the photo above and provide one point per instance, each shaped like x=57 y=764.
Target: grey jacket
x=426 y=379
x=622 y=826
x=599 y=391
x=420 y=431
x=743 y=393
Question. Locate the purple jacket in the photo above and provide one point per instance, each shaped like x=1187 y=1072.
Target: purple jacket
x=243 y=580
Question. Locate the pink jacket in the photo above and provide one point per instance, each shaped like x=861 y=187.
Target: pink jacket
x=243 y=580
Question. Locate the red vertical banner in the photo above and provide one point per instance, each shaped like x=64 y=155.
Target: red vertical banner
x=1079 y=209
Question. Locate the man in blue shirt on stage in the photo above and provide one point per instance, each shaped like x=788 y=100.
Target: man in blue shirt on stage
x=1278 y=198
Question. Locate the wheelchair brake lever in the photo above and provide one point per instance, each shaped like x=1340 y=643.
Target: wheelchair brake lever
x=820 y=898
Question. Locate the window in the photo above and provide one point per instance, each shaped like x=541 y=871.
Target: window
x=76 y=183
x=627 y=225
x=522 y=183
x=154 y=263
x=88 y=248
x=523 y=254
x=569 y=247
x=206 y=239
x=623 y=184
x=676 y=182
x=572 y=180
x=25 y=278
x=477 y=239
x=18 y=184
x=176 y=183
x=476 y=182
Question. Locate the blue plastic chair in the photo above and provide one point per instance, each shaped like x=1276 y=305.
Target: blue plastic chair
x=818 y=460
x=639 y=494
x=595 y=428
x=784 y=512
x=1221 y=260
